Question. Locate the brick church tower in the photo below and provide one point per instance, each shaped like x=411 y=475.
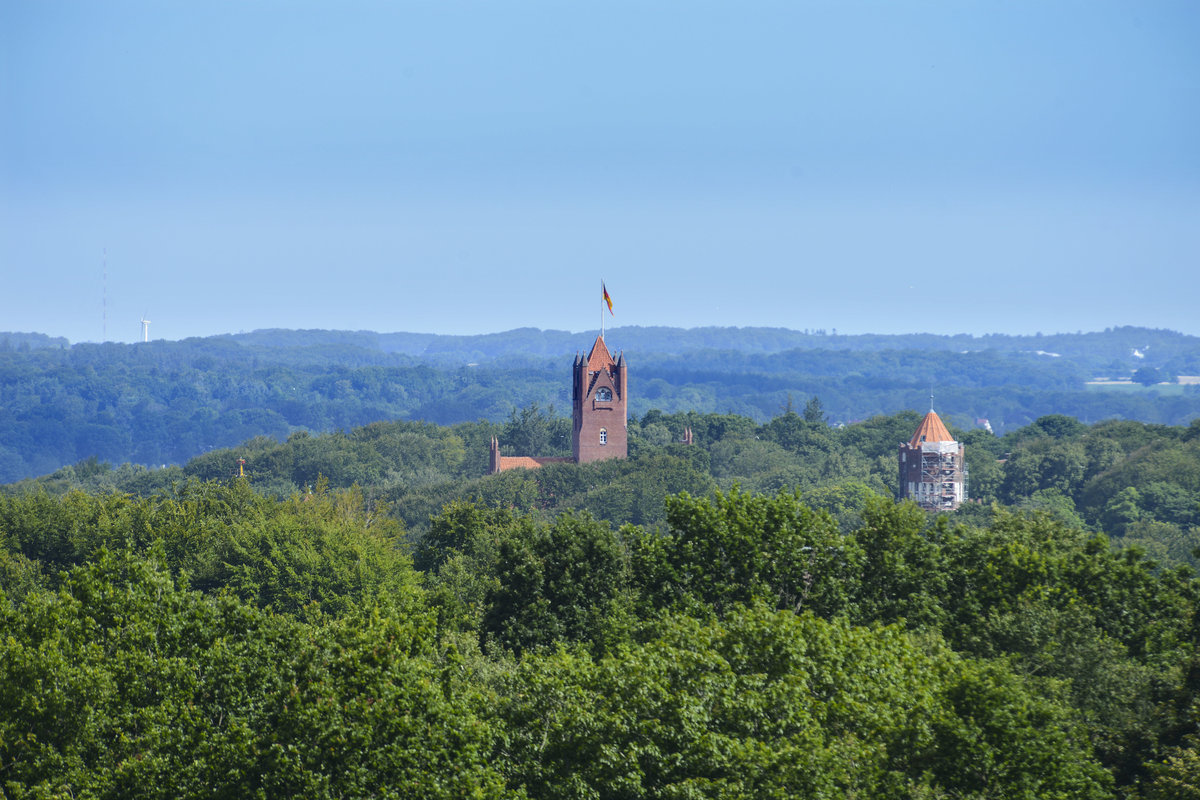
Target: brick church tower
x=599 y=404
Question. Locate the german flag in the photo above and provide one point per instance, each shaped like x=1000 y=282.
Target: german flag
x=607 y=299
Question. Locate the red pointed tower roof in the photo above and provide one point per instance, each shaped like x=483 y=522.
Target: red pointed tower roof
x=931 y=429
x=600 y=358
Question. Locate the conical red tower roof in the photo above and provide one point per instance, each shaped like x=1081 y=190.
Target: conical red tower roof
x=931 y=429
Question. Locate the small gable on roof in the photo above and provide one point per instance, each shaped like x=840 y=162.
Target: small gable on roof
x=931 y=429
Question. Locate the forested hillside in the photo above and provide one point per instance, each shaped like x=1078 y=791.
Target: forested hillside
x=367 y=613
x=210 y=640
x=162 y=403
x=1135 y=482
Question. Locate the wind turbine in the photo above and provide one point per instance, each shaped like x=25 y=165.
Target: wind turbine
x=145 y=328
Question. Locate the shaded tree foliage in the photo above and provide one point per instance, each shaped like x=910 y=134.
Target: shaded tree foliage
x=125 y=684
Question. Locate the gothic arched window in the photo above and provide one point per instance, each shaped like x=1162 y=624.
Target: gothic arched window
x=604 y=436
x=604 y=394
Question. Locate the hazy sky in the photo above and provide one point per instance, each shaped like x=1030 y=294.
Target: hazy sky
x=470 y=167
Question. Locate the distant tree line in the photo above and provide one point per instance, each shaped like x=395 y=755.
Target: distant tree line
x=163 y=403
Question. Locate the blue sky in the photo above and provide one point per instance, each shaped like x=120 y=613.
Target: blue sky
x=471 y=167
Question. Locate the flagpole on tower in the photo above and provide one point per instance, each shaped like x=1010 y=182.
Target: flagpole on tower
x=605 y=300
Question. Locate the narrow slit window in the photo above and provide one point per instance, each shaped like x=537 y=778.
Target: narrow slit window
x=604 y=436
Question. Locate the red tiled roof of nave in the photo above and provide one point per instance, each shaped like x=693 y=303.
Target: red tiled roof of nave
x=515 y=462
x=931 y=429
x=526 y=462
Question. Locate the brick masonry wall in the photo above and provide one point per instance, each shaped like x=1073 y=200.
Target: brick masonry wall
x=591 y=415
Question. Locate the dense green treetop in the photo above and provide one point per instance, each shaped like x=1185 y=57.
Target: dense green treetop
x=124 y=683
x=212 y=640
